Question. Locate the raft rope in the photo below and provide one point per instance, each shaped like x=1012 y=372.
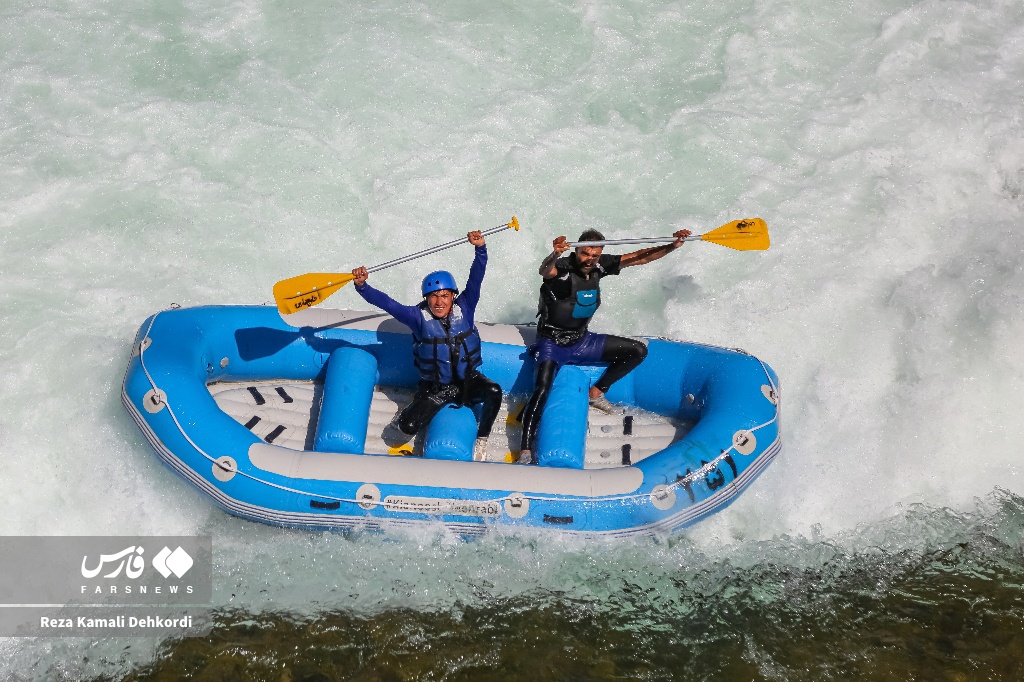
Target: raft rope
x=516 y=497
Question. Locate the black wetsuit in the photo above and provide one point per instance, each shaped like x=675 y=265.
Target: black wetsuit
x=568 y=302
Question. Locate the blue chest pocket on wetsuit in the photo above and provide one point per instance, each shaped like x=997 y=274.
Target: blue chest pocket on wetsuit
x=586 y=304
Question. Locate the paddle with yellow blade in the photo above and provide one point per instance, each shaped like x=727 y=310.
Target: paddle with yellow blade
x=306 y=291
x=749 y=234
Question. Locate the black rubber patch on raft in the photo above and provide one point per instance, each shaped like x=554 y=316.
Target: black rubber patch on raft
x=274 y=434
x=284 y=396
x=257 y=396
x=252 y=422
x=626 y=461
x=317 y=504
x=627 y=426
x=558 y=520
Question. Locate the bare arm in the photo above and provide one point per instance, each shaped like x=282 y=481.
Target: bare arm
x=547 y=267
x=644 y=256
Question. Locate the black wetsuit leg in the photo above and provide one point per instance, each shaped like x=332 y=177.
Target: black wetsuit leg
x=530 y=417
x=623 y=356
x=425 y=404
x=479 y=389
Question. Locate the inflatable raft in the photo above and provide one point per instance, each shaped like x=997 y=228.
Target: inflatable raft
x=291 y=425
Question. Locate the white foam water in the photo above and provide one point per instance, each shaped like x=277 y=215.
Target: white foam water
x=196 y=153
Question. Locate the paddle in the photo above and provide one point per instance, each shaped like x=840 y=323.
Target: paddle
x=749 y=234
x=306 y=291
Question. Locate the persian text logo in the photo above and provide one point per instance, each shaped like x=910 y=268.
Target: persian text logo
x=130 y=560
x=132 y=556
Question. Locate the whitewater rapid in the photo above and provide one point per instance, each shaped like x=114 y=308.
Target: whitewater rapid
x=197 y=153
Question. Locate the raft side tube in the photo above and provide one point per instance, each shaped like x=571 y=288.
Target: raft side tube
x=426 y=473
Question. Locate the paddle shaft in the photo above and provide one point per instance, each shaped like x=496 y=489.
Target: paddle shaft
x=638 y=240
x=435 y=249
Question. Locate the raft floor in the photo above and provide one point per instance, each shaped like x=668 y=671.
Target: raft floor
x=285 y=413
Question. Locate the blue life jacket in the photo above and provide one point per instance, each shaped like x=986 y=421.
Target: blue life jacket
x=445 y=355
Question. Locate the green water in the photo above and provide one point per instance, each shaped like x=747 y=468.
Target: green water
x=949 y=612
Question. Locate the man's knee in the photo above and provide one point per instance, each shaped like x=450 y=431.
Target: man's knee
x=641 y=351
x=627 y=350
x=493 y=392
x=411 y=419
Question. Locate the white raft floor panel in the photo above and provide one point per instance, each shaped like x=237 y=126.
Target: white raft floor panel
x=284 y=413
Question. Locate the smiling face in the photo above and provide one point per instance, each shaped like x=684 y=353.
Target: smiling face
x=587 y=256
x=440 y=302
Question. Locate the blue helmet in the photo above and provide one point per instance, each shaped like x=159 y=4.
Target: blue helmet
x=441 y=279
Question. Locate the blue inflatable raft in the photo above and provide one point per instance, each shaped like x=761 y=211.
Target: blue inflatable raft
x=291 y=425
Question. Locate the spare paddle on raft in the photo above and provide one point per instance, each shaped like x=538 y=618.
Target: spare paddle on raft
x=306 y=291
x=749 y=234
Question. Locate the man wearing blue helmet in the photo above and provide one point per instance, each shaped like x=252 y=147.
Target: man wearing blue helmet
x=446 y=346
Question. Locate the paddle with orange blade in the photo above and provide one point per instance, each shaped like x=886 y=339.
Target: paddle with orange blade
x=749 y=234
x=306 y=291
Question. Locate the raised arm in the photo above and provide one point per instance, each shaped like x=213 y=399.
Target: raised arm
x=408 y=315
x=644 y=256
x=547 y=267
x=471 y=293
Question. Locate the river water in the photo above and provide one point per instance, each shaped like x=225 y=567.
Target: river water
x=197 y=151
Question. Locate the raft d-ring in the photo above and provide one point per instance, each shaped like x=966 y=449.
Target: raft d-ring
x=141 y=346
x=224 y=469
x=745 y=442
x=770 y=393
x=368 y=496
x=663 y=497
x=517 y=505
x=154 y=400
